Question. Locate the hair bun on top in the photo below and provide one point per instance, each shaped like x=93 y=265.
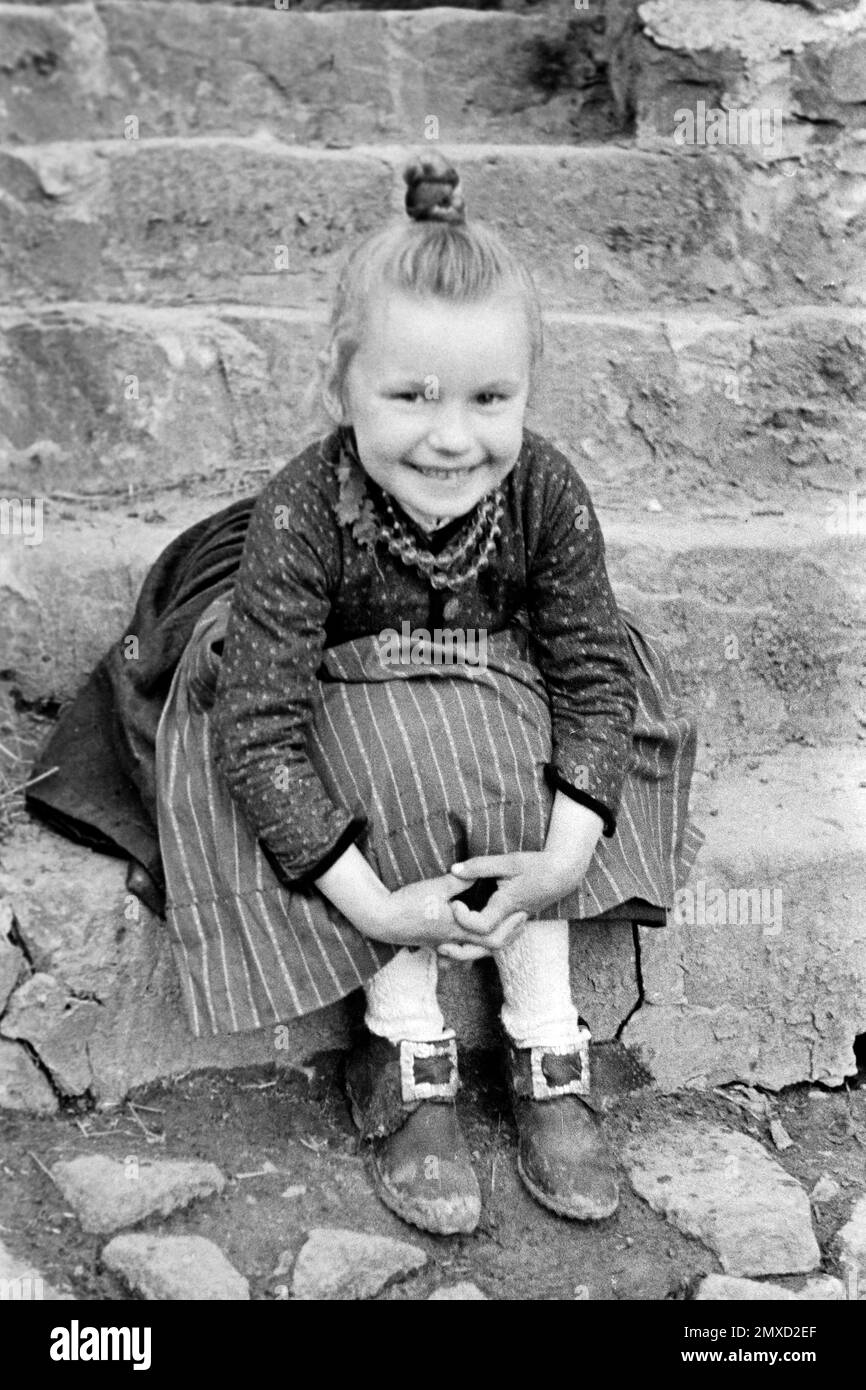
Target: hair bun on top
x=433 y=192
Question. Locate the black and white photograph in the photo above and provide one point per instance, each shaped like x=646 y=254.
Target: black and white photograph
x=432 y=686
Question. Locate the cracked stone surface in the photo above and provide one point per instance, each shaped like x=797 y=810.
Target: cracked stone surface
x=339 y=1264
x=59 y=1027
x=106 y=1195
x=22 y=1085
x=724 y=1188
x=175 y=1268
x=729 y=1289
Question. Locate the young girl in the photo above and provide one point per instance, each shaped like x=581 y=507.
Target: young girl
x=327 y=795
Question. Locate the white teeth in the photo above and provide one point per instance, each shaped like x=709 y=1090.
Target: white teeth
x=442 y=472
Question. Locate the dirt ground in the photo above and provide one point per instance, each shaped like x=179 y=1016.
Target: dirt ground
x=285 y=1142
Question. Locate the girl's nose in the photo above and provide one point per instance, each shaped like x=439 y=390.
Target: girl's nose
x=450 y=432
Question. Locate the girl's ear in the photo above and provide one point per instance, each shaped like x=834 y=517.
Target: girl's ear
x=333 y=405
x=330 y=386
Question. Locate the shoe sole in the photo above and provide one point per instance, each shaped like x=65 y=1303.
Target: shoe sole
x=563 y=1208
x=394 y=1202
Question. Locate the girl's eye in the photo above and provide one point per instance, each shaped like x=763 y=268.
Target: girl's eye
x=489 y=397
x=409 y=396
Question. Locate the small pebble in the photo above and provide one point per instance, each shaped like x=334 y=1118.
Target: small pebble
x=779 y=1135
x=825 y=1189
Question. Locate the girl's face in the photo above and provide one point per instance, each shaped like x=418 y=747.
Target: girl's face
x=436 y=393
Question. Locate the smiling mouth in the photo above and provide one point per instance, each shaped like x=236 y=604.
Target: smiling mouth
x=444 y=474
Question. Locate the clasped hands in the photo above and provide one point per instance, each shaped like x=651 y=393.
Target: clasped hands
x=425 y=913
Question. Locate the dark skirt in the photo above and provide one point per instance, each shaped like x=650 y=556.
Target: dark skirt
x=444 y=761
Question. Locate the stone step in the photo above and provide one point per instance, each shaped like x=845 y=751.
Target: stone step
x=258 y=221
x=126 y=70
x=84 y=70
x=670 y=404
x=773 y=996
x=763 y=616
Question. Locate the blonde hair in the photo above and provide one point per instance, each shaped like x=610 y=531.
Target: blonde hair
x=437 y=255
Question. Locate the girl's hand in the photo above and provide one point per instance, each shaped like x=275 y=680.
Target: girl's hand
x=421 y=914
x=529 y=881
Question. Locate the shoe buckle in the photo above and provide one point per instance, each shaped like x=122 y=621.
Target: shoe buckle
x=421 y=1070
x=570 y=1077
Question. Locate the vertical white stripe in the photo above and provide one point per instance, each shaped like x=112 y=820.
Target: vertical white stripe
x=164 y=743
x=243 y=943
x=339 y=984
x=265 y=918
x=479 y=697
x=412 y=765
x=387 y=828
x=205 y=858
x=178 y=839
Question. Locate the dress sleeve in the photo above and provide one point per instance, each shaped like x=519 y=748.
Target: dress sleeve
x=581 y=645
x=266 y=694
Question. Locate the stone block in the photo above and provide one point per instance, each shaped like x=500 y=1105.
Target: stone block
x=343 y=1265
x=763 y=980
x=742 y=57
x=107 y=1195
x=724 y=1188
x=176 y=1268
x=22 y=1085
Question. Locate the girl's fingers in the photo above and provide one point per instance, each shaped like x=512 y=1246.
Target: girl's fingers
x=486 y=866
x=453 y=951
x=490 y=917
x=453 y=884
x=507 y=931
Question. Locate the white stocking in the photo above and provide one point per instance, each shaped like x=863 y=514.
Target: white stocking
x=402 y=1000
x=538 y=1009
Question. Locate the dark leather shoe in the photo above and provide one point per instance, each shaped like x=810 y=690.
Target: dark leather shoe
x=402 y=1097
x=562 y=1156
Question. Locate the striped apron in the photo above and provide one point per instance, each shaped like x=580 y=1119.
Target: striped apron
x=445 y=760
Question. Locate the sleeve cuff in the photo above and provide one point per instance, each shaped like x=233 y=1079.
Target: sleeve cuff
x=306 y=880
x=558 y=783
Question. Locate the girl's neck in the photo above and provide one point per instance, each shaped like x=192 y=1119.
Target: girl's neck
x=427 y=523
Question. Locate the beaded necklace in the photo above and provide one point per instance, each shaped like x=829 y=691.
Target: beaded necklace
x=446 y=569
